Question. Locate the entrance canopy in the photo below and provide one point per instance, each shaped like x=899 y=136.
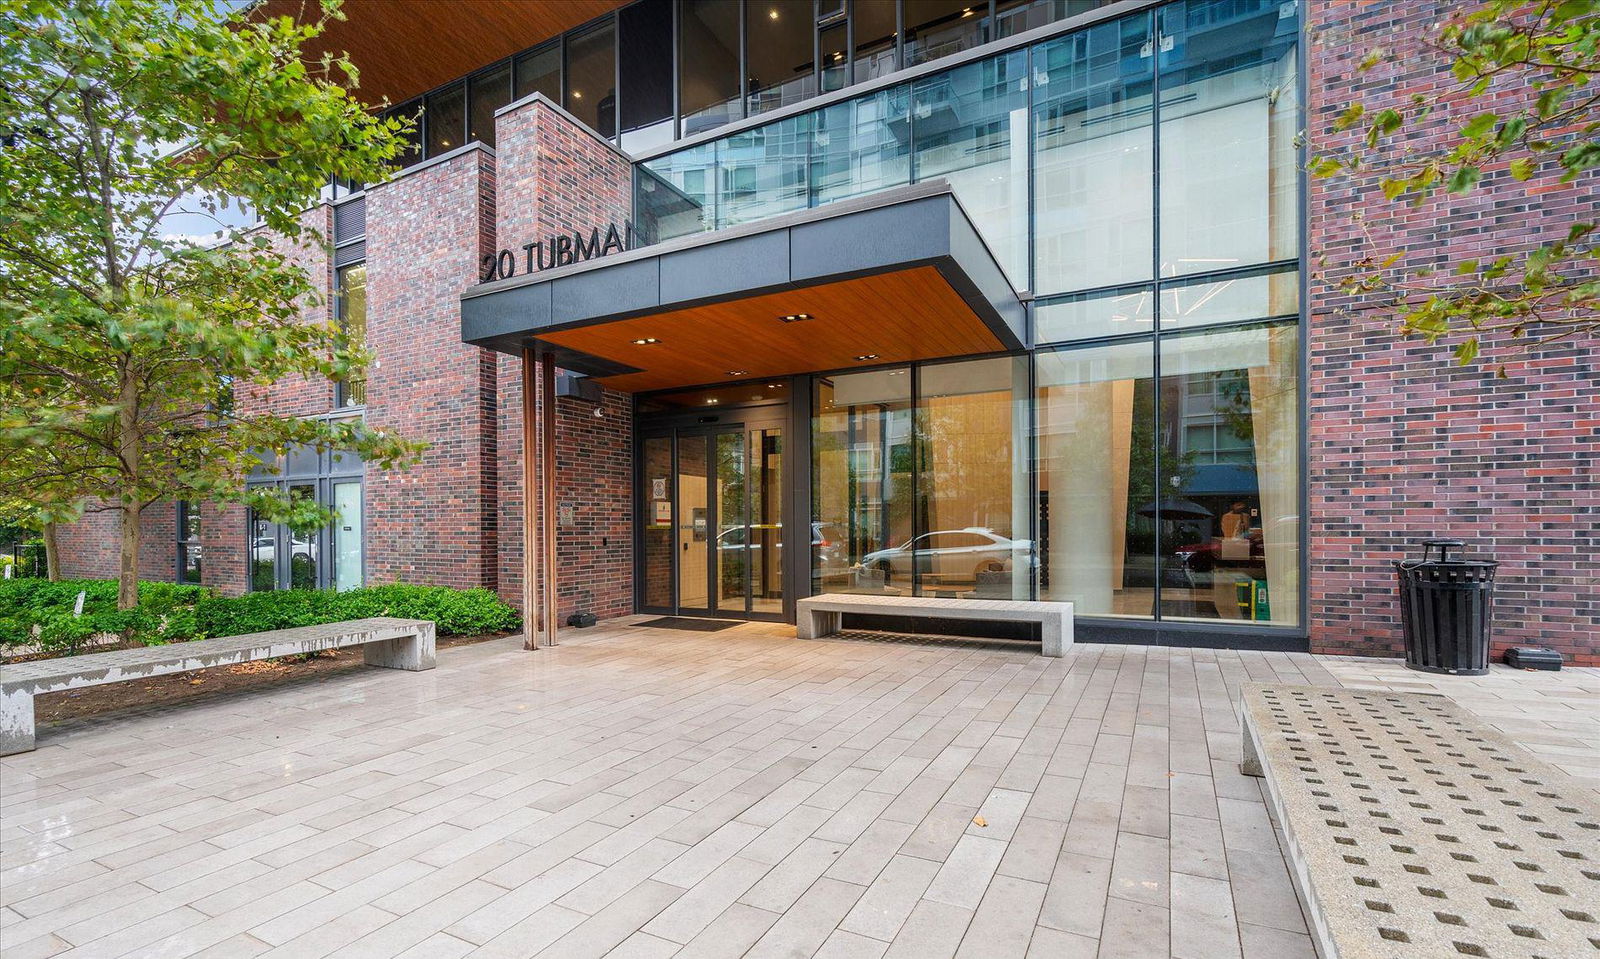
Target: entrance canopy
x=896 y=276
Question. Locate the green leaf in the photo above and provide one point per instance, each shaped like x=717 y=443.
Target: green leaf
x=1464 y=179
x=1522 y=168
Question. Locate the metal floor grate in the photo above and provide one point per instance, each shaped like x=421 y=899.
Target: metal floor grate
x=1414 y=830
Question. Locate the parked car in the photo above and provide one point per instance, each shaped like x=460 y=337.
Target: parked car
x=827 y=543
x=958 y=555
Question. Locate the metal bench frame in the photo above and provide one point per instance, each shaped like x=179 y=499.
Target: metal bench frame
x=390 y=643
x=818 y=616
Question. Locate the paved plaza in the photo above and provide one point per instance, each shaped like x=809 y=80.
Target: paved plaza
x=648 y=793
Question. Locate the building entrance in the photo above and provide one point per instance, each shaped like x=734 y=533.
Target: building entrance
x=710 y=508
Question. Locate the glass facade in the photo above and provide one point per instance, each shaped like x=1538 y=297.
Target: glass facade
x=1140 y=176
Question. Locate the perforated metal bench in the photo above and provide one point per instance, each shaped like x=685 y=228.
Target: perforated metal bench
x=818 y=616
x=1415 y=831
x=391 y=643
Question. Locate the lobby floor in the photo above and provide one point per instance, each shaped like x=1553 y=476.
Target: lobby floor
x=651 y=792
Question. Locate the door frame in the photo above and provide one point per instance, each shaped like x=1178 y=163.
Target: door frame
x=739 y=420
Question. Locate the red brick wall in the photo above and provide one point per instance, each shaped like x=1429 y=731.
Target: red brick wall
x=554 y=175
x=434 y=523
x=90 y=547
x=1405 y=446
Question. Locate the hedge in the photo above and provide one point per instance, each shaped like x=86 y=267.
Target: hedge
x=41 y=611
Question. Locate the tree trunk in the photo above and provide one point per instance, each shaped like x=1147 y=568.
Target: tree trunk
x=128 y=568
x=52 y=553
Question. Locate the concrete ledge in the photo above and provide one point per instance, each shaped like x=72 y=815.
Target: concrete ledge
x=391 y=643
x=1412 y=829
x=819 y=616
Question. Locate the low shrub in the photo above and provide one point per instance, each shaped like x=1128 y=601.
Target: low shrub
x=456 y=612
x=39 y=611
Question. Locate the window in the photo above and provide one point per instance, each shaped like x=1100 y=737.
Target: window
x=539 y=71
x=1093 y=207
x=188 y=523
x=859 y=146
x=764 y=171
x=331 y=557
x=412 y=152
x=446 y=119
x=778 y=49
x=351 y=310
x=676 y=194
x=490 y=92
x=1229 y=117
x=592 y=78
x=644 y=45
x=873 y=22
x=939 y=28
x=708 y=66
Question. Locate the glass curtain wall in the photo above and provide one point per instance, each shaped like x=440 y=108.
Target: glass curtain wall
x=708 y=64
x=918 y=483
x=646 y=66
x=592 y=78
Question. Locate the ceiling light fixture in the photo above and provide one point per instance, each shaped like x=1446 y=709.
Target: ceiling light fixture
x=772 y=14
x=712 y=401
x=866 y=356
x=738 y=372
x=646 y=341
x=794 y=317
x=774 y=386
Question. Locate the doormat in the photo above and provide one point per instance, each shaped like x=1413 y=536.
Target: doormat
x=693 y=625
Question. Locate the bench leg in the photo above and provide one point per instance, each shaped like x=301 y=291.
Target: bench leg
x=1250 y=764
x=814 y=624
x=414 y=652
x=1055 y=635
x=16 y=722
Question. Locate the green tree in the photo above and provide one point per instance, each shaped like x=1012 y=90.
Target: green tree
x=121 y=346
x=1529 y=73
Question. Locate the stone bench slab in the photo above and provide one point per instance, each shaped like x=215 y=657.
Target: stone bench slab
x=1414 y=830
x=387 y=642
x=818 y=616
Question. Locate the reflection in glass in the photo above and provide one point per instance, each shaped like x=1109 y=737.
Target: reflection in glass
x=834 y=47
x=656 y=468
x=592 y=78
x=1090 y=316
x=189 y=548
x=351 y=283
x=446 y=119
x=1230 y=413
x=873 y=22
x=764 y=171
x=1016 y=16
x=708 y=67
x=490 y=92
x=1229 y=116
x=539 y=71
x=1095 y=436
x=779 y=54
x=861 y=456
x=971 y=419
x=347 y=535
x=734 y=555
x=1225 y=301
x=766 y=521
x=1094 y=163
x=856 y=149
x=302 y=546
x=972 y=129
x=263 y=554
x=644 y=31
x=677 y=193
x=939 y=28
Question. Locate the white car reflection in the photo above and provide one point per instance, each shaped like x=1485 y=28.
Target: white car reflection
x=956 y=555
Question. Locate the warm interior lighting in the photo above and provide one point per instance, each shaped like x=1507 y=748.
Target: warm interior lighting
x=645 y=341
x=712 y=401
x=577 y=94
x=738 y=372
x=866 y=356
x=795 y=317
x=966 y=11
x=772 y=14
x=774 y=386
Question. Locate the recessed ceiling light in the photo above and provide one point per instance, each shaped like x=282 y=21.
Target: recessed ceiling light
x=645 y=341
x=712 y=401
x=794 y=317
x=577 y=94
x=774 y=386
x=738 y=372
x=772 y=14
x=866 y=356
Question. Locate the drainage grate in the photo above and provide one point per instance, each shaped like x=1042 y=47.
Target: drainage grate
x=691 y=625
x=1413 y=830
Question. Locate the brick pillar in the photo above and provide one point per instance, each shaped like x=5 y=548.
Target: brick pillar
x=426 y=229
x=556 y=176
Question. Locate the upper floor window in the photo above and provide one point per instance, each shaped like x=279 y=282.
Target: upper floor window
x=188 y=523
x=351 y=310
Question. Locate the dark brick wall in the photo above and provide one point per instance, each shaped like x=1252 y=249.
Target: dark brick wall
x=89 y=548
x=1405 y=446
x=434 y=523
x=553 y=175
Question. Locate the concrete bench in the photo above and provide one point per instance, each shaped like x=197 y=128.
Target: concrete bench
x=822 y=615
x=1414 y=830
x=391 y=643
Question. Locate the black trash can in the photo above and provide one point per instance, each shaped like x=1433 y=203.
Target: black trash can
x=1446 y=608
